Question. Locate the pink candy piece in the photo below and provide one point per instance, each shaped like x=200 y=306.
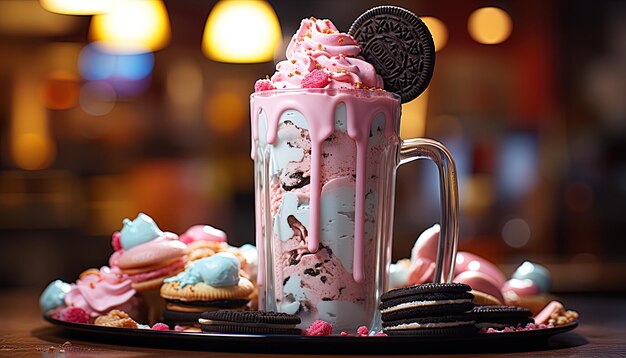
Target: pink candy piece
x=203 y=232
x=466 y=261
x=115 y=241
x=544 y=316
x=316 y=79
x=263 y=85
x=522 y=288
x=319 y=328
x=178 y=328
x=75 y=315
x=422 y=271
x=160 y=327
x=426 y=245
x=480 y=282
x=362 y=331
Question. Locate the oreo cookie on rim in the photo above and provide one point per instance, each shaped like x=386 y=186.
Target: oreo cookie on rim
x=499 y=317
x=400 y=47
x=431 y=299
x=249 y=322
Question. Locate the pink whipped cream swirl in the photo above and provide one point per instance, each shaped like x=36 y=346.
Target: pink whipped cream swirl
x=98 y=293
x=317 y=45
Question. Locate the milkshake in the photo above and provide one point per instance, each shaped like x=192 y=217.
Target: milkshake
x=326 y=147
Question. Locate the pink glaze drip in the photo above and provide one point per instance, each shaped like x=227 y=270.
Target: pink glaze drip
x=318 y=107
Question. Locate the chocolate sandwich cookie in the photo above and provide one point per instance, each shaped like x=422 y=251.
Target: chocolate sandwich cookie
x=249 y=322
x=430 y=299
x=499 y=317
x=462 y=324
x=399 y=46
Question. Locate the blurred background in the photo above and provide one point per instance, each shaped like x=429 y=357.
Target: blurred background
x=107 y=110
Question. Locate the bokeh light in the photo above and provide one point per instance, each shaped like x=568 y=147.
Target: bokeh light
x=241 y=31
x=132 y=26
x=94 y=63
x=438 y=30
x=413 y=122
x=516 y=233
x=490 y=25
x=97 y=98
x=60 y=90
x=77 y=7
x=33 y=151
x=184 y=83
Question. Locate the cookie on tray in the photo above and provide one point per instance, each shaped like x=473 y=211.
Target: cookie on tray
x=250 y=322
x=209 y=284
x=443 y=325
x=499 y=317
x=430 y=299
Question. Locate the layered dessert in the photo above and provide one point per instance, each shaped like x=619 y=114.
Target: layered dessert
x=324 y=141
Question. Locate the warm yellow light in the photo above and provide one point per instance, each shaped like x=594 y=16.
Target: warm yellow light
x=438 y=29
x=413 y=123
x=241 y=31
x=32 y=147
x=490 y=25
x=132 y=26
x=77 y=7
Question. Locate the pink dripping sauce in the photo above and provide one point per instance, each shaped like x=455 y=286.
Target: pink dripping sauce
x=318 y=107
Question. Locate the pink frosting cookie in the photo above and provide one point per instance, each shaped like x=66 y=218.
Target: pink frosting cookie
x=99 y=291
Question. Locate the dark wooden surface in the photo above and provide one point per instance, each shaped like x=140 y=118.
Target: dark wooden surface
x=23 y=333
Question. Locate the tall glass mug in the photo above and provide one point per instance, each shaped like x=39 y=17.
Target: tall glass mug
x=325 y=165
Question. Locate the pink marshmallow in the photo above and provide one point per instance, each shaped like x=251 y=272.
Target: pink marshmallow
x=480 y=282
x=203 y=232
x=466 y=261
x=427 y=244
x=422 y=271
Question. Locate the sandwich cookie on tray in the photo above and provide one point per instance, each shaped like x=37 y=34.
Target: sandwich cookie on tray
x=428 y=309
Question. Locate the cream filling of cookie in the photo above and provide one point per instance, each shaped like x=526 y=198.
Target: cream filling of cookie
x=243 y=324
x=415 y=325
x=413 y=304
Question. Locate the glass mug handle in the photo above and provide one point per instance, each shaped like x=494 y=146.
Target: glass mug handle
x=423 y=148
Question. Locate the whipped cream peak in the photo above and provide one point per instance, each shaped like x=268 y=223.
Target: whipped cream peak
x=318 y=45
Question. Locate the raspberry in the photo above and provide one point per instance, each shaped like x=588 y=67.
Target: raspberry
x=320 y=328
x=75 y=315
x=160 y=327
x=115 y=241
x=316 y=79
x=263 y=85
x=362 y=331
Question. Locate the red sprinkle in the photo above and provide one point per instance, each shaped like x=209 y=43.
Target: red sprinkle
x=344 y=333
x=316 y=79
x=362 y=331
x=263 y=85
x=115 y=241
x=319 y=328
x=160 y=327
x=75 y=315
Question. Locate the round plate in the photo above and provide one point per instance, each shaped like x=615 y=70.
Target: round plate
x=513 y=341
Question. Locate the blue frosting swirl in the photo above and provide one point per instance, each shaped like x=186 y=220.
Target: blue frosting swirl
x=219 y=270
x=138 y=231
x=536 y=273
x=54 y=295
